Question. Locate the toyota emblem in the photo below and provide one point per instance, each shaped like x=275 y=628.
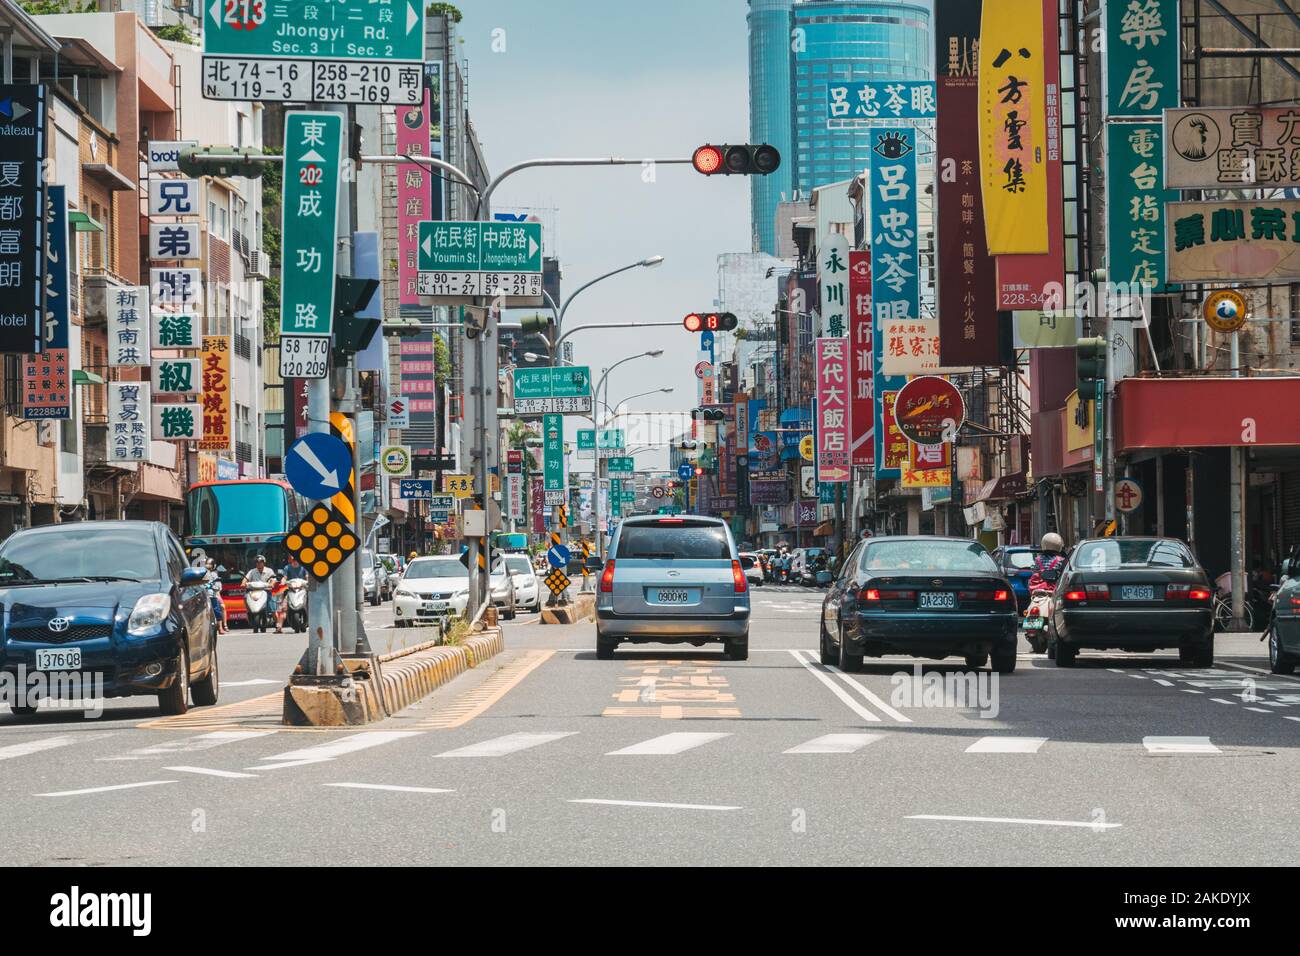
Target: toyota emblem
x=60 y=624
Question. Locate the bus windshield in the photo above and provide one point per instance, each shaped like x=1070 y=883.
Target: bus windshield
x=238 y=508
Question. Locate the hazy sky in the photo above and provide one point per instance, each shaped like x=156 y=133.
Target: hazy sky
x=634 y=80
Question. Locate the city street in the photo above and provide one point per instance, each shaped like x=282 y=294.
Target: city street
x=544 y=755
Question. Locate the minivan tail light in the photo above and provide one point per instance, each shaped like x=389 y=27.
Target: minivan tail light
x=607 y=578
x=738 y=578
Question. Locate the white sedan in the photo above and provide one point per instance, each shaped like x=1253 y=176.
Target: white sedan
x=431 y=588
x=528 y=590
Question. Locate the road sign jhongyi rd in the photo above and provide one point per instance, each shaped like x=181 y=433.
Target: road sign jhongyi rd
x=306 y=51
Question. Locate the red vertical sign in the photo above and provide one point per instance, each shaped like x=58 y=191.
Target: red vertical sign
x=861 y=378
x=536 y=496
x=968 y=321
x=414 y=194
x=1024 y=279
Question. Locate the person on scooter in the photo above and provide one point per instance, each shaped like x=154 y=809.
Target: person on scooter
x=264 y=575
x=213 y=581
x=1048 y=564
x=293 y=569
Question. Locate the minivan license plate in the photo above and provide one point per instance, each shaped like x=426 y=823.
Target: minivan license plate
x=672 y=596
x=64 y=659
x=938 y=599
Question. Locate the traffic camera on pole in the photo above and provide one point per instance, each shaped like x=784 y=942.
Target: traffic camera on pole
x=709 y=322
x=745 y=159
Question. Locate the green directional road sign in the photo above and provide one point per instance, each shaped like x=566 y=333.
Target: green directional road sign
x=313 y=157
x=543 y=391
x=613 y=438
x=553 y=457
x=616 y=497
x=621 y=466
x=586 y=439
x=480 y=247
x=314 y=51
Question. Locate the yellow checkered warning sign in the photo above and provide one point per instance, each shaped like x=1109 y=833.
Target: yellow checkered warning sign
x=322 y=541
x=557 y=581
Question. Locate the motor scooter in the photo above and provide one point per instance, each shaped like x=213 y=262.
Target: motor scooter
x=255 y=600
x=1035 y=623
x=295 y=598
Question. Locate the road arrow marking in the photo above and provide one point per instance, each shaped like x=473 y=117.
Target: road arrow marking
x=330 y=479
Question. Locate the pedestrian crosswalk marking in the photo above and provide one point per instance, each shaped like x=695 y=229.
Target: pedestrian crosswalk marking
x=36 y=746
x=667 y=744
x=1006 y=745
x=1179 y=745
x=835 y=744
x=509 y=744
x=332 y=749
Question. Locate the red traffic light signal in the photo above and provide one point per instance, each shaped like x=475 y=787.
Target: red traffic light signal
x=698 y=471
x=745 y=159
x=709 y=322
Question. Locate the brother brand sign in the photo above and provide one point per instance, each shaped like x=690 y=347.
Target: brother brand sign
x=164 y=157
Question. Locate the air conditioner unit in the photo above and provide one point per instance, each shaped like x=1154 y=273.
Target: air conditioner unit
x=259 y=264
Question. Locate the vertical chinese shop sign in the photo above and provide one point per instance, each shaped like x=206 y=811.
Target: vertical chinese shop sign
x=832 y=409
x=216 y=393
x=895 y=292
x=1023 y=280
x=968 y=321
x=47 y=380
x=22 y=217
x=414 y=194
x=862 y=417
x=1141 y=81
x=1013 y=104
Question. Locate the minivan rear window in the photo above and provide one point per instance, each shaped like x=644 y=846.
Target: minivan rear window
x=687 y=541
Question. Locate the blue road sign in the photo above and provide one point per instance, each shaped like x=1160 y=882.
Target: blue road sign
x=318 y=465
x=557 y=555
x=685 y=472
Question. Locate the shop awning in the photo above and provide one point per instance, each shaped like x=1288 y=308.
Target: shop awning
x=1206 y=412
x=793 y=416
x=1007 y=486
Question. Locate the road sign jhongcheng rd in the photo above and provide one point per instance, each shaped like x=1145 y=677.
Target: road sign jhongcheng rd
x=460 y=258
x=542 y=391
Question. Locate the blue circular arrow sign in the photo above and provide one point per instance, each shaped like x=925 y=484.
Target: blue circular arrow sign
x=318 y=465
x=685 y=472
x=558 y=556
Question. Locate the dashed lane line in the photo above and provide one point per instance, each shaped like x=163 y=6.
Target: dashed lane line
x=660 y=806
x=384 y=786
x=667 y=744
x=508 y=744
x=1091 y=825
x=209 y=772
x=120 y=786
x=835 y=744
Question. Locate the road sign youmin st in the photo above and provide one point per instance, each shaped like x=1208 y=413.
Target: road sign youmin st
x=313 y=157
x=458 y=260
x=546 y=391
x=309 y=51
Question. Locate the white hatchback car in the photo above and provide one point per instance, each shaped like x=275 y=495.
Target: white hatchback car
x=431 y=588
x=528 y=590
x=753 y=569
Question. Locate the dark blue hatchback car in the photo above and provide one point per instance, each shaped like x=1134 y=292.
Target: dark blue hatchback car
x=105 y=608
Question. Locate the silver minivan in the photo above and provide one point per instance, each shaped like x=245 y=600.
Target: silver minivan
x=673 y=580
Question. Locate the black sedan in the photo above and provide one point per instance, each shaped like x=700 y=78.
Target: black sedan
x=922 y=596
x=104 y=609
x=1133 y=594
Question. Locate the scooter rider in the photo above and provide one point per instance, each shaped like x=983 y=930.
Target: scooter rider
x=292 y=570
x=261 y=573
x=1048 y=564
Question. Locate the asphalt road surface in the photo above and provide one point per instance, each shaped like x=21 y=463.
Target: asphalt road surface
x=545 y=755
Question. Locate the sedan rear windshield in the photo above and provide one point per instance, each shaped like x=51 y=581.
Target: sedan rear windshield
x=927 y=556
x=1132 y=553
x=688 y=540
x=82 y=551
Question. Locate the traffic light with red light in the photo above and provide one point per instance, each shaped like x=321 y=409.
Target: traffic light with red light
x=698 y=471
x=710 y=322
x=744 y=159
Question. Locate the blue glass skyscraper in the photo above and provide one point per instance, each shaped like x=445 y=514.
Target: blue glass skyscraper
x=824 y=41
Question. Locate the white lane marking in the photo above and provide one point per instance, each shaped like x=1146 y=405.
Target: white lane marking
x=1220 y=700
x=202 y=742
x=835 y=744
x=384 y=786
x=501 y=746
x=334 y=748
x=249 y=683
x=1138 y=676
x=1179 y=745
x=871 y=698
x=36 y=746
x=1006 y=745
x=665 y=806
x=1114 y=670
x=667 y=744
x=1186 y=691
x=849 y=702
x=1041 y=823
x=120 y=786
x=1262 y=670
x=1163 y=683
x=1291 y=718
x=1259 y=710
x=208 y=771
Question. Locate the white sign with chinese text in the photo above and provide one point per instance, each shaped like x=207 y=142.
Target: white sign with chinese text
x=174 y=241
x=177 y=289
x=128 y=326
x=179 y=421
x=128 y=415
x=173 y=197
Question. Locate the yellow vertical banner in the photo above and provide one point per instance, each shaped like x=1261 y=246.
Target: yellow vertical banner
x=1013 y=127
x=216 y=393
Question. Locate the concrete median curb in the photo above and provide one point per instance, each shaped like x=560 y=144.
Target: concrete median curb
x=397 y=680
x=582 y=608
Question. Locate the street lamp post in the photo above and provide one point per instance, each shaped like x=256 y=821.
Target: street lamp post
x=601 y=521
x=558 y=313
